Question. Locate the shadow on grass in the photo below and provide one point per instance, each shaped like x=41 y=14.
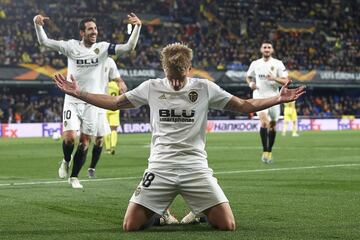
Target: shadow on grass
x=118 y=230
x=50 y=232
x=204 y=227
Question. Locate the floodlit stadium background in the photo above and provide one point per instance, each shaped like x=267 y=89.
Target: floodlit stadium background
x=318 y=41
x=311 y=192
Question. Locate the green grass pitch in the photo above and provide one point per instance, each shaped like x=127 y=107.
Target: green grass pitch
x=311 y=191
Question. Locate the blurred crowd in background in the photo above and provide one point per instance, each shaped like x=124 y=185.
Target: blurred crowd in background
x=225 y=35
x=318 y=34
x=27 y=108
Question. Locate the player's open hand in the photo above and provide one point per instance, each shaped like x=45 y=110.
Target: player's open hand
x=40 y=19
x=133 y=19
x=70 y=88
x=289 y=95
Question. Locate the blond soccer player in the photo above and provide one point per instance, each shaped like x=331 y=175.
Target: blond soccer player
x=178 y=116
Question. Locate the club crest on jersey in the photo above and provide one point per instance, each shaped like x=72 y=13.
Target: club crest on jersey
x=272 y=68
x=96 y=50
x=193 y=96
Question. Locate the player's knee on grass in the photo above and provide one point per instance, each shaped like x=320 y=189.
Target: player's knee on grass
x=221 y=217
x=228 y=225
x=223 y=224
x=130 y=225
x=137 y=217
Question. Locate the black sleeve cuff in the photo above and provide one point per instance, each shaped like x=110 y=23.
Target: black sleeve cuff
x=111 y=49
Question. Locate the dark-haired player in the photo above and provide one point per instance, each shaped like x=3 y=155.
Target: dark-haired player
x=86 y=62
x=265 y=76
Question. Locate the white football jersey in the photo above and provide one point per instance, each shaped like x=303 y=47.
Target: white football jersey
x=178 y=119
x=87 y=65
x=111 y=72
x=259 y=69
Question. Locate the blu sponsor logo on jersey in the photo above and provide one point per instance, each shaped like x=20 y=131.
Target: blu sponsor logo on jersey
x=174 y=115
x=262 y=76
x=87 y=62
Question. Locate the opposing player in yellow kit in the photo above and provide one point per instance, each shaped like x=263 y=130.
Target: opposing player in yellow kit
x=103 y=127
x=290 y=115
x=115 y=88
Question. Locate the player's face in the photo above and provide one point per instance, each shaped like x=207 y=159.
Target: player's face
x=90 y=33
x=266 y=50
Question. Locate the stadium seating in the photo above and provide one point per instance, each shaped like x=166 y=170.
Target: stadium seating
x=224 y=34
x=30 y=108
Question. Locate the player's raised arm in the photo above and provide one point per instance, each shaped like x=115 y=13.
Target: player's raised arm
x=100 y=100
x=39 y=22
x=255 y=105
x=131 y=43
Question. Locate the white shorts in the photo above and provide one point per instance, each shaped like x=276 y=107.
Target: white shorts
x=81 y=117
x=272 y=112
x=159 y=188
x=103 y=127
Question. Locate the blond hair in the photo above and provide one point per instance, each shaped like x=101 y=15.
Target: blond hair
x=176 y=60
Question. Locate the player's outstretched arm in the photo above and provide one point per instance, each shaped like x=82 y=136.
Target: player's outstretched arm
x=253 y=105
x=100 y=100
x=39 y=22
x=131 y=43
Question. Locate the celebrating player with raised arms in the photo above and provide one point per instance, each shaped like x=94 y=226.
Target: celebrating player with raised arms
x=86 y=62
x=178 y=117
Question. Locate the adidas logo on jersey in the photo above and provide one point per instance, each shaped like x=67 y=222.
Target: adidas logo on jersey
x=162 y=96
